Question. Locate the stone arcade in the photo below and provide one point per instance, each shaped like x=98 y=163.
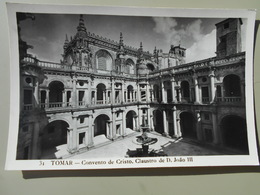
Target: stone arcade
x=103 y=90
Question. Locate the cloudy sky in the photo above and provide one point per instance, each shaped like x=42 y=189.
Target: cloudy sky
x=198 y=35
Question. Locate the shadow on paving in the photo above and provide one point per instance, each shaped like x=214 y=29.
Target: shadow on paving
x=188 y=147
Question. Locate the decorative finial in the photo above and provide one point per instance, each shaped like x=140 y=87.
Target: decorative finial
x=81 y=26
x=155 y=51
x=121 y=42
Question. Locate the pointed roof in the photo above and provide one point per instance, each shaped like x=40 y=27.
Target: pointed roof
x=81 y=27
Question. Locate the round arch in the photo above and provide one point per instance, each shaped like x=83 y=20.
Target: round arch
x=54 y=134
x=232 y=86
x=188 y=125
x=158 y=121
x=100 y=125
x=56 y=89
x=185 y=89
x=104 y=60
x=150 y=67
x=130 y=66
x=130 y=123
x=101 y=88
x=234 y=132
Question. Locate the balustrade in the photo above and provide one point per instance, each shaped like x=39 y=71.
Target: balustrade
x=28 y=107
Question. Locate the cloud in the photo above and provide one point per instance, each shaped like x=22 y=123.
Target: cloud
x=174 y=33
x=204 y=48
x=199 y=45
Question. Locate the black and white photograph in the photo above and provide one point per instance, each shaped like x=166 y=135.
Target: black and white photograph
x=123 y=88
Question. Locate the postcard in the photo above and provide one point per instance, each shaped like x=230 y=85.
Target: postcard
x=127 y=87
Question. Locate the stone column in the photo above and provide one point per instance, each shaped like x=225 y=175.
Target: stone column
x=175 y=126
x=216 y=135
x=149 y=118
x=180 y=95
x=197 y=91
x=95 y=99
x=178 y=123
x=104 y=97
x=74 y=139
x=70 y=140
x=89 y=93
x=123 y=133
x=64 y=102
x=113 y=130
x=113 y=92
x=134 y=123
x=139 y=118
x=212 y=86
x=151 y=122
x=165 y=125
x=123 y=92
x=199 y=130
x=47 y=100
x=173 y=91
x=108 y=126
x=147 y=93
x=162 y=92
x=36 y=92
x=152 y=91
x=138 y=93
x=90 y=131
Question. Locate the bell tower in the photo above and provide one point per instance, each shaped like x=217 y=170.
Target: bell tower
x=228 y=37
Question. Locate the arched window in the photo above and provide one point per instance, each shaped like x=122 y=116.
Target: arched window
x=232 y=86
x=130 y=68
x=104 y=60
x=185 y=89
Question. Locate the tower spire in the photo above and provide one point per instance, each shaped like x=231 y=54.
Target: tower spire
x=121 y=41
x=81 y=26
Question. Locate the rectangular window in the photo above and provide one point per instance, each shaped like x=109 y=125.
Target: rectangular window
x=81 y=137
x=28 y=96
x=81 y=120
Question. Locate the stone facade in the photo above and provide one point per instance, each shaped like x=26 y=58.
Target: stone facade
x=104 y=90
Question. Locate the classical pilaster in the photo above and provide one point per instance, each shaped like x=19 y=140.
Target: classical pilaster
x=173 y=91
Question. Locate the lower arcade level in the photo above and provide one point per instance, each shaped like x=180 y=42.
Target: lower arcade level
x=43 y=134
